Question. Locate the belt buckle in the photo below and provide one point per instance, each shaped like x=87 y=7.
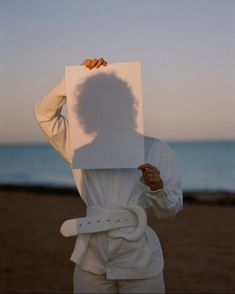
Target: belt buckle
x=139 y=231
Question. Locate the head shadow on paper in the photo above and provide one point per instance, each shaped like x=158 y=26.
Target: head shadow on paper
x=107 y=110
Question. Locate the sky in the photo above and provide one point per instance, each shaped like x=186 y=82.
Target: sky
x=186 y=49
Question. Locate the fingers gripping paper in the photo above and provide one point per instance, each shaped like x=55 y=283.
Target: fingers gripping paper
x=105 y=113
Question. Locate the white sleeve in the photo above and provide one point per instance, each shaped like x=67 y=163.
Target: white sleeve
x=53 y=124
x=166 y=202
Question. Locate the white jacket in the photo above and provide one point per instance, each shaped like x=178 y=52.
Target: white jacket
x=107 y=188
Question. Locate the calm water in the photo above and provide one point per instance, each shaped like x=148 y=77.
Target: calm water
x=203 y=165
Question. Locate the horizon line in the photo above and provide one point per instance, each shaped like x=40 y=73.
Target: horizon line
x=166 y=140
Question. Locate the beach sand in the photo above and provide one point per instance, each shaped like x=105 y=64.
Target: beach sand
x=198 y=244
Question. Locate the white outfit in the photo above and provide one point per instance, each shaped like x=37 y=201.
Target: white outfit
x=97 y=252
x=87 y=282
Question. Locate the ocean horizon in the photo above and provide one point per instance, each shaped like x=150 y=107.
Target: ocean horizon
x=204 y=165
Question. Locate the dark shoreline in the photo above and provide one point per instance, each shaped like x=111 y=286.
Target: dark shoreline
x=207 y=197
x=38 y=189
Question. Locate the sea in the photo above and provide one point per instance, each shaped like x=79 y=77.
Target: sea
x=204 y=166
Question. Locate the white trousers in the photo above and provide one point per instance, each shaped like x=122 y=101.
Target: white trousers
x=87 y=282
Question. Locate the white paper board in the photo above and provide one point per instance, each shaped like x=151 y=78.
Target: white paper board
x=105 y=113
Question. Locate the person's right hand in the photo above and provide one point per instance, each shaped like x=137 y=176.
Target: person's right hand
x=91 y=63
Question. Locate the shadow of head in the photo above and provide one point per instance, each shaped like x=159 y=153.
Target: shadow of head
x=105 y=103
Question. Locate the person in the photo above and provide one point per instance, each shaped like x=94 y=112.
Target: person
x=116 y=260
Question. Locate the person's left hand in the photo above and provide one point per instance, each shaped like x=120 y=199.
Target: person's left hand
x=151 y=176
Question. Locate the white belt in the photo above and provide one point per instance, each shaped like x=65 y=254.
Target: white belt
x=99 y=220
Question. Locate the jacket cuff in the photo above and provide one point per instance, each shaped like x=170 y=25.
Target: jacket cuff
x=158 y=192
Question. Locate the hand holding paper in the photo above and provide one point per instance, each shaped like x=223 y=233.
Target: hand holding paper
x=151 y=176
x=91 y=63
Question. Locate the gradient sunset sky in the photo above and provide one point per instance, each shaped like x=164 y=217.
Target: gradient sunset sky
x=186 y=49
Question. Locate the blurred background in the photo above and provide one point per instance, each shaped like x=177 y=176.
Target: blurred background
x=187 y=54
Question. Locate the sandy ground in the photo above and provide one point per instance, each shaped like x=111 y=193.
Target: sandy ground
x=198 y=245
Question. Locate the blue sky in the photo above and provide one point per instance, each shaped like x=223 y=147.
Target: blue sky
x=186 y=49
